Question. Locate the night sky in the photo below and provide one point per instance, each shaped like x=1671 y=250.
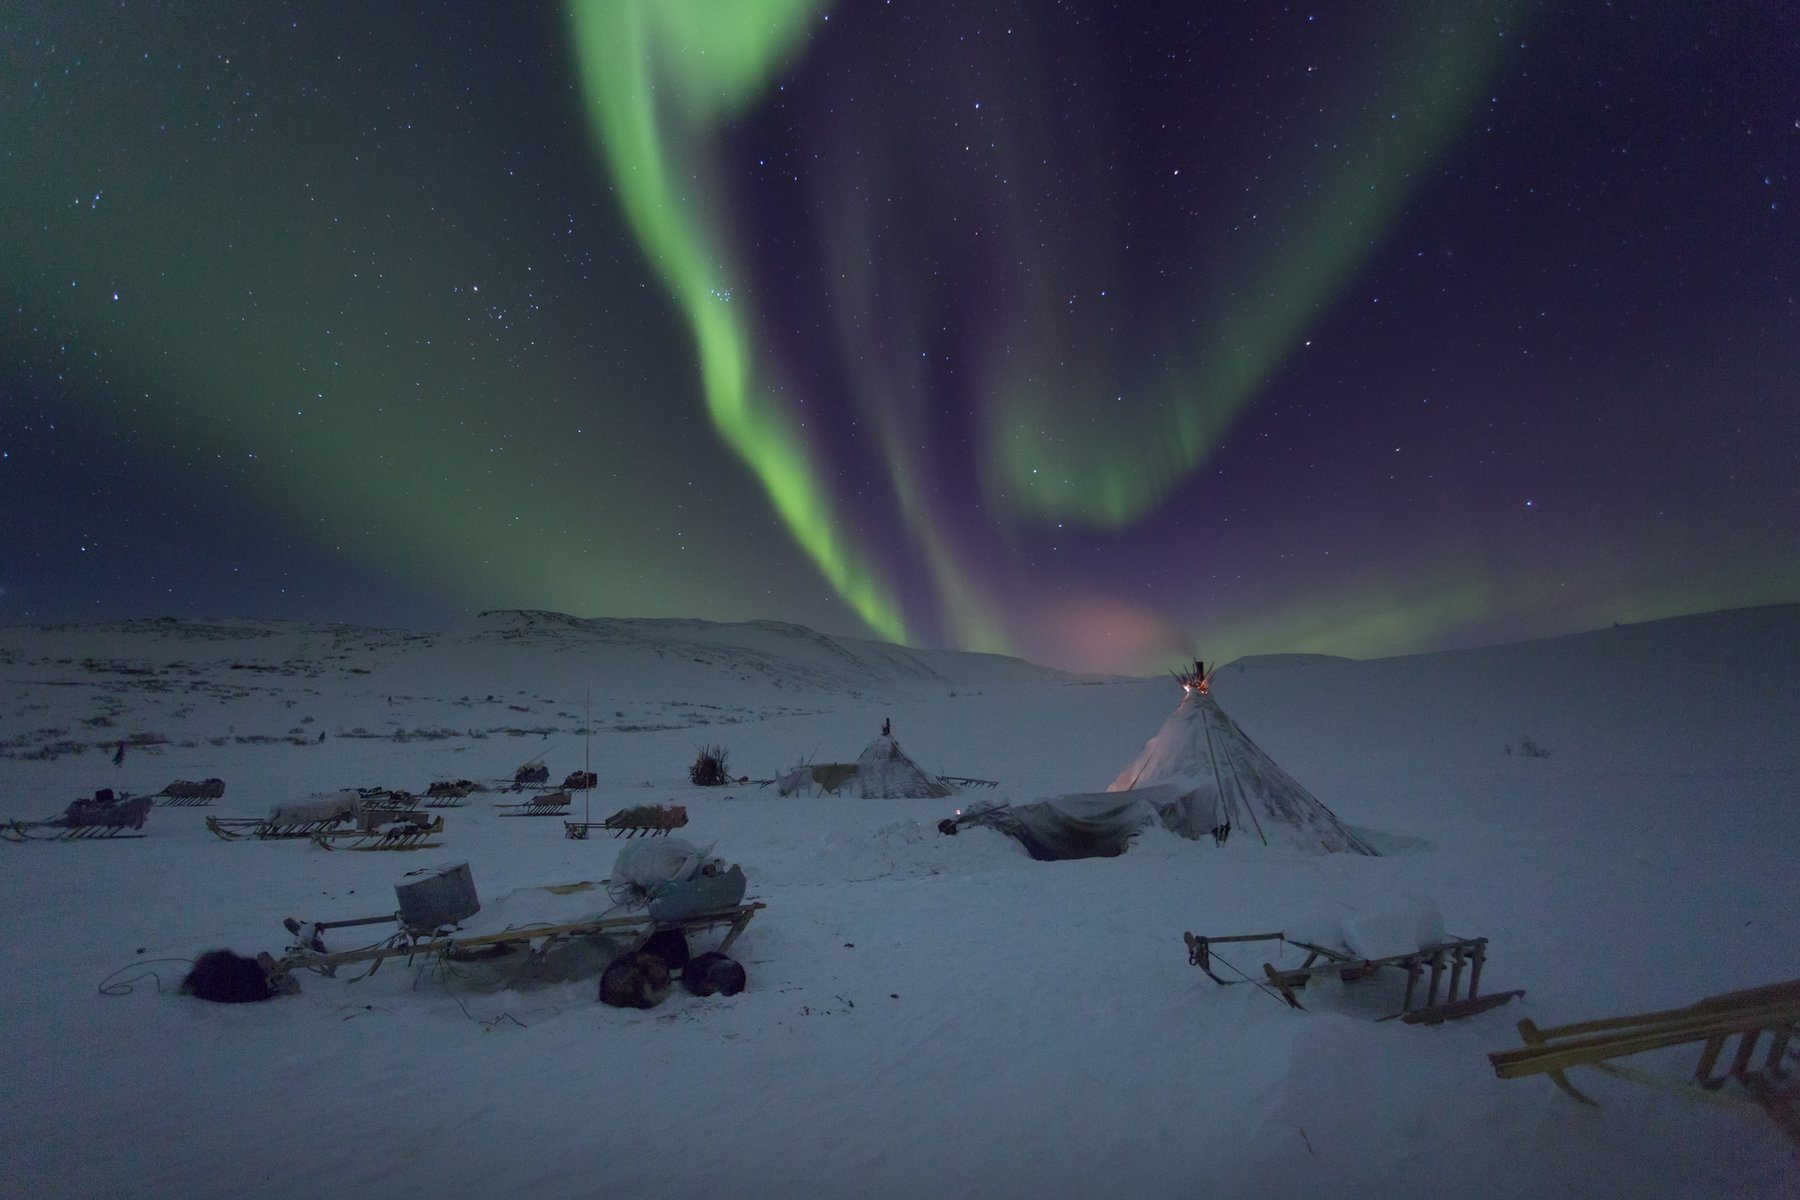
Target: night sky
x=1106 y=334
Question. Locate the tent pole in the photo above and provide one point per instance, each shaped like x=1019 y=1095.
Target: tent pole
x=1213 y=753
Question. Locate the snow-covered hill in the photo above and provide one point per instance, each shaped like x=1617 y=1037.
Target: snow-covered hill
x=926 y=1015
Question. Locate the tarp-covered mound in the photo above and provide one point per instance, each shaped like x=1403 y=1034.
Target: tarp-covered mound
x=1220 y=775
x=337 y=806
x=1094 y=825
x=885 y=771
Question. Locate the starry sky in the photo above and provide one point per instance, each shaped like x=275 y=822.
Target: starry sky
x=1105 y=334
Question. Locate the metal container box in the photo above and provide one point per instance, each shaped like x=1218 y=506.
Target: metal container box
x=437 y=897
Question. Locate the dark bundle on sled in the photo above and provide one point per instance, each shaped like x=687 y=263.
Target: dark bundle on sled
x=105 y=810
x=227 y=978
x=525 y=776
x=577 y=781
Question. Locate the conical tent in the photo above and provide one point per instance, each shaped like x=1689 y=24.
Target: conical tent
x=1220 y=778
x=884 y=770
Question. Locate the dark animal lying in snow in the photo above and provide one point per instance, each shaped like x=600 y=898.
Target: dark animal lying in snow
x=713 y=972
x=227 y=978
x=635 y=981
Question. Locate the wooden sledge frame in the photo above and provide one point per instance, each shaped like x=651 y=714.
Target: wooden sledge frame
x=401 y=835
x=1746 y=1015
x=448 y=795
x=234 y=829
x=445 y=800
x=649 y=820
x=541 y=806
x=54 y=831
x=539 y=939
x=1427 y=963
x=85 y=821
x=190 y=793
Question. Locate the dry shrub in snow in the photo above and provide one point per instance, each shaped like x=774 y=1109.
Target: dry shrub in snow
x=709 y=767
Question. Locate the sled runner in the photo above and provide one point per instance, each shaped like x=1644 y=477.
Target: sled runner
x=397 y=831
x=105 y=816
x=1745 y=1015
x=1425 y=963
x=550 y=804
x=646 y=819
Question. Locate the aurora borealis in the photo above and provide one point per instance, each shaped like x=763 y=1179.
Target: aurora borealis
x=1107 y=335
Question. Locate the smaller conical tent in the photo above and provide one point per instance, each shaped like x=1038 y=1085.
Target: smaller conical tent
x=1220 y=778
x=884 y=770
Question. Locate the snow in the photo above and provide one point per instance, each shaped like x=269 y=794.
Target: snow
x=926 y=1015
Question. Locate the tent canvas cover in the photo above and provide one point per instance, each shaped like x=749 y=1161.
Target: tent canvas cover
x=1199 y=775
x=882 y=771
x=1220 y=776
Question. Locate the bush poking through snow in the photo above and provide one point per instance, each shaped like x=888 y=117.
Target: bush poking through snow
x=709 y=767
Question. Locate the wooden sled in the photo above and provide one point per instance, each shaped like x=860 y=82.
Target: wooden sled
x=403 y=831
x=646 y=819
x=532 y=774
x=963 y=781
x=385 y=801
x=234 y=829
x=1427 y=962
x=1745 y=1015
x=103 y=817
x=535 y=940
x=186 y=793
x=446 y=794
x=550 y=804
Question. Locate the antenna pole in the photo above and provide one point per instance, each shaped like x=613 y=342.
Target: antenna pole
x=587 y=740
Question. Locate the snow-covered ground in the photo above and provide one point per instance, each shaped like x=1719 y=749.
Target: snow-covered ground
x=926 y=1015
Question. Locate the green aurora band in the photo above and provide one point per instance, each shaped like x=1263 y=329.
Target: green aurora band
x=1106 y=441
x=658 y=76
x=1099 y=441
